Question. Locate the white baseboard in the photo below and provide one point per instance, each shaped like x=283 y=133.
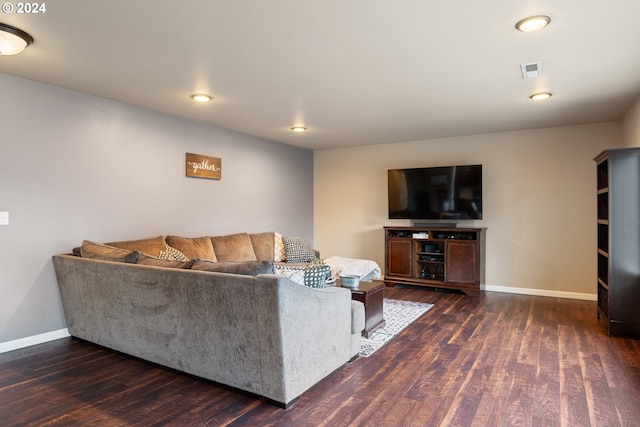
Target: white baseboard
x=541 y=292
x=33 y=340
x=538 y=292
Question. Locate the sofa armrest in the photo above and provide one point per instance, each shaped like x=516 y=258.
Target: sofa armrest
x=314 y=329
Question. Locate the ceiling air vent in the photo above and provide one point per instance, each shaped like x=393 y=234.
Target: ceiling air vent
x=532 y=70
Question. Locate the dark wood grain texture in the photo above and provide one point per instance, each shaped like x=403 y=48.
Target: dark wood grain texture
x=494 y=359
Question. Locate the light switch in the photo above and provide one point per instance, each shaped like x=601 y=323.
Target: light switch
x=4 y=218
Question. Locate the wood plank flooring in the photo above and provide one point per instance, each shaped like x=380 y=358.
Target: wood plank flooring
x=490 y=360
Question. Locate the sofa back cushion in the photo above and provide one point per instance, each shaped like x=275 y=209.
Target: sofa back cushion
x=197 y=247
x=263 y=244
x=151 y=246
x=234 y=247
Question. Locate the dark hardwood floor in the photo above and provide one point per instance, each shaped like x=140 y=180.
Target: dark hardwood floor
x=490 y=360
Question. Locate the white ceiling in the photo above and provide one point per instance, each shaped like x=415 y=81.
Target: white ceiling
x=355 y=72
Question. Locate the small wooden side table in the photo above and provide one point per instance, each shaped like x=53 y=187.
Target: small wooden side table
x=371 y=294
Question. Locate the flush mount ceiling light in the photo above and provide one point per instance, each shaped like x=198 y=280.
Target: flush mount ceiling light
x=13 y=40
x=533 y=23
x=541 y=96
x=201 y=97
x=299 y=129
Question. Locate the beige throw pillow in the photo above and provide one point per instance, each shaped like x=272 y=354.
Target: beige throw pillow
x=151 y=246
x=107 y=253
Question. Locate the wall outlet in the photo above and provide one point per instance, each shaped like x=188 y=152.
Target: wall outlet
x=4 y=218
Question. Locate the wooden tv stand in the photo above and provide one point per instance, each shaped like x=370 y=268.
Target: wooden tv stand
x=438 y=257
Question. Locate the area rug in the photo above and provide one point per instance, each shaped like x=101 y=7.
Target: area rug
x=398 y=314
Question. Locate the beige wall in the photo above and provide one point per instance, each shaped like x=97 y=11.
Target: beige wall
x=539 y=202
x=631 y=126
x=75 y=167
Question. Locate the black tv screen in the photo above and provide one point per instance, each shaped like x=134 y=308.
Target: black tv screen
x=437 y=193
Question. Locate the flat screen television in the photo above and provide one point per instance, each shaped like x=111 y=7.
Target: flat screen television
x=451 y=193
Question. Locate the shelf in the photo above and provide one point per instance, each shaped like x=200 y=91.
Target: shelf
x=604 y=285
x=603 y=267
x=603 y=236
x=602 y=173
x=603 y=206
x=603 y=299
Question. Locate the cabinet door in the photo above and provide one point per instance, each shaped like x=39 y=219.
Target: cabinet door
x=462 y=260
x=399 y=257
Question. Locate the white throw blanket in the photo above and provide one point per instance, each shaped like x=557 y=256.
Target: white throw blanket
x=363 y=268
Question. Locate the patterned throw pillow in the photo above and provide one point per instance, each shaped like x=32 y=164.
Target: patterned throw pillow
x=172 y=254
x=313 y=276
x=279 y=254
x=298 y=250
x=295 y=274
x=145 y=259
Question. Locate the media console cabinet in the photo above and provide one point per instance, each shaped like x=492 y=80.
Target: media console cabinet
x=438 y=257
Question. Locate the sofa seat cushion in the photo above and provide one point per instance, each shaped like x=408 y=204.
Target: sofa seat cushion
x=193 y=247
x=234 y=247
x=248 y=268
x=104 y=252
x=151 y=246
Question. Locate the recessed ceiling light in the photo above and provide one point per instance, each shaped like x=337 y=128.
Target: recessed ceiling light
x=541 y=96
x=299 y=129
x=533 y=23
x=13 y=40
x=201 y=97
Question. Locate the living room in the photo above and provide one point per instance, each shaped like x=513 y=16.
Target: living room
x=102 y=170
x=77 y=166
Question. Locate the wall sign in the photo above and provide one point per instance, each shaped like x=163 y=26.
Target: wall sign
x=198 y=166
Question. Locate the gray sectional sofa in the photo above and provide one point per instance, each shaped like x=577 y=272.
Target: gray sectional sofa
x=260 y=333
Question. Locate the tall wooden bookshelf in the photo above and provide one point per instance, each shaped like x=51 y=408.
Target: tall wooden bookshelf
x=618 y=241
